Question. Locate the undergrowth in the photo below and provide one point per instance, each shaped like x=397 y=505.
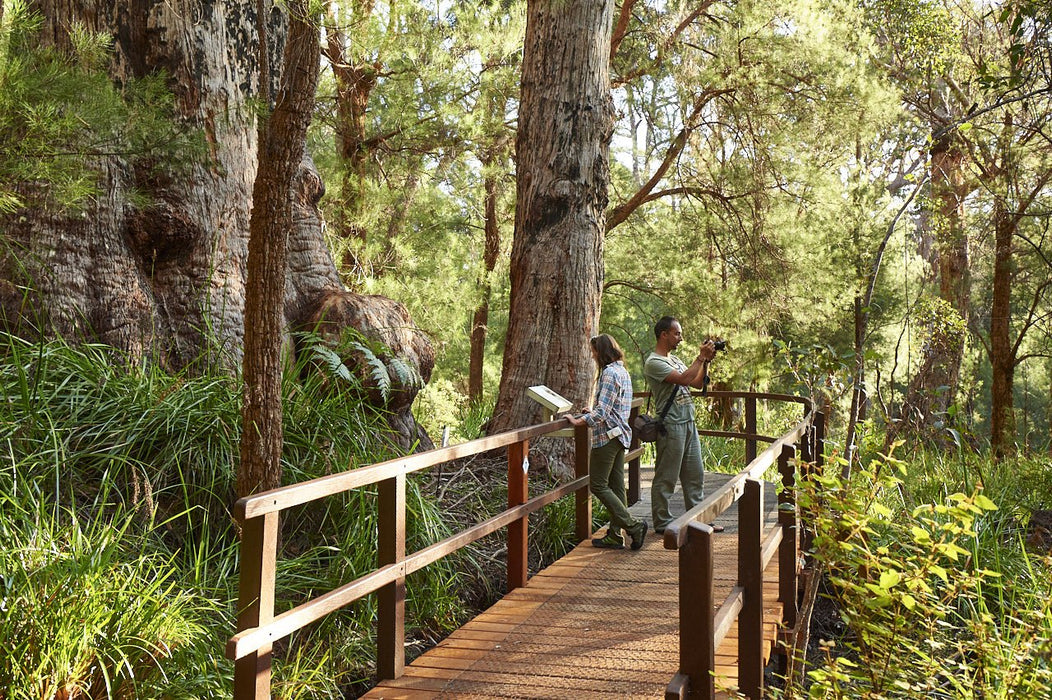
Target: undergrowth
x=118 y=577
x=930 y=567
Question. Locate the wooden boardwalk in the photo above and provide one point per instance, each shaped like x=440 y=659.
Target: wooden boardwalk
x=596 y=624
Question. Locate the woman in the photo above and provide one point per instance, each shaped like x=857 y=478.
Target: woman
x=610 y=437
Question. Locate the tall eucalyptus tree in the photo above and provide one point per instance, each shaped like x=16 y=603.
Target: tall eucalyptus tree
x=562 y=149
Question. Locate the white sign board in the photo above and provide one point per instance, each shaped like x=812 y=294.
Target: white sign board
x=549 y=399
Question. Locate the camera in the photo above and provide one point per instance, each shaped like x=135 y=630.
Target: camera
x=719 y=344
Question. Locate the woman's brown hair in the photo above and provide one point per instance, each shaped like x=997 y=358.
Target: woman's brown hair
x=607 y=350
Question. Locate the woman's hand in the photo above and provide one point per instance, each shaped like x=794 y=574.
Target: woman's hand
x=574 y=420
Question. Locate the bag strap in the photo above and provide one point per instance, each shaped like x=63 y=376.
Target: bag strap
x=668 y=404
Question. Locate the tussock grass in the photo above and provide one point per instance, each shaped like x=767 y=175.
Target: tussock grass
x=116 y=483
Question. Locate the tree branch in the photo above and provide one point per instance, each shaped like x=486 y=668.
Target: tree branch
x=624 y=210
x=621 y=27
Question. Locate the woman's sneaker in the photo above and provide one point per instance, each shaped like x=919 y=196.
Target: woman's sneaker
x=638 y=534
x=609 y=541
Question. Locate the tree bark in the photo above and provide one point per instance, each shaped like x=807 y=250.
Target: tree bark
x=1002 y=354
x=282 y=136
x=480 y=321
x=166 y=280
x=565 y=124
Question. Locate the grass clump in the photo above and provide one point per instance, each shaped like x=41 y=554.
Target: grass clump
x=116 y=483
x=82 y=618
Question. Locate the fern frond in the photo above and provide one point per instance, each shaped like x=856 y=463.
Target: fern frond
x=407 y=374
x=332 y=362
x=377 y=369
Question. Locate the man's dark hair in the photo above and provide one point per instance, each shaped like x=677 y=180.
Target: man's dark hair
x=664 y=324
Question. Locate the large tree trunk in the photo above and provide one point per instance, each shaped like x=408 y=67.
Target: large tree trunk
x=565 y=124
x=167 y=279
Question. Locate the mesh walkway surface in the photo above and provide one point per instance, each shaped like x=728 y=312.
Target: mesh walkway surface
x=598 y=623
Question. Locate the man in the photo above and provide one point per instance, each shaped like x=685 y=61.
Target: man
x=679 y=450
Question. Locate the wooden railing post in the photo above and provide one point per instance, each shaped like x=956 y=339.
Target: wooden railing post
x=518 y=531
x=820 y=439
x=583 y=497
x=750 y=428
x=807 y=445
x=633 y=464
x=750 y=578
x=259 y=545
x=390 y=624
x=697 y=648
x=789 y=547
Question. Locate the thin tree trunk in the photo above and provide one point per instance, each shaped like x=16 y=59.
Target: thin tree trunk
x=1002 y=355
x=282 y=137
x=565 y=124
x=480 y=322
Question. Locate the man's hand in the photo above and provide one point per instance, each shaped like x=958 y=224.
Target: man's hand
x=706 y=351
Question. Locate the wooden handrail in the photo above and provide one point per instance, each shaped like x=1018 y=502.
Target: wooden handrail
x=259 y=629
x=702 y=631
x=307 y=491
x=283 y=625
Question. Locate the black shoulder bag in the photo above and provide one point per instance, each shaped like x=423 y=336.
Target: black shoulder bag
x=649 y=429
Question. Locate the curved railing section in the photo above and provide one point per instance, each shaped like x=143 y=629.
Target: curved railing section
x=703 y=627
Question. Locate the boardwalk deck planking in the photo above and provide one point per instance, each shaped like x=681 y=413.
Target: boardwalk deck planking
x=595 y=624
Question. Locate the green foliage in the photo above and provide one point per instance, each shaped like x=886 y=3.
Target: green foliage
x=944 y=326
x=117 y=481
x=93 y=608
x=736 y=254
x=819 y=370
x=932 y=607
x=1029 y=24
x=61 y=115
x=440 y=406
x=921 y=35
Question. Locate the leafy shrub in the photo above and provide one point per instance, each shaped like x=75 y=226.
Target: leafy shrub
x=928 y=610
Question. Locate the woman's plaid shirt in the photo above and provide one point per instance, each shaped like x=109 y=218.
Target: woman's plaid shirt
x=613 y=404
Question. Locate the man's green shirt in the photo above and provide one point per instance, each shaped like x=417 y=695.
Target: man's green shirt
x=655 y=369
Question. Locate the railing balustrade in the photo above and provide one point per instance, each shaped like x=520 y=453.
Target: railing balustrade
x=259 y=628
x=700 y=631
